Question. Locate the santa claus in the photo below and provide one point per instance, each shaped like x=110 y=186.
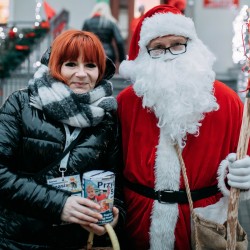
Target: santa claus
x=174 y=99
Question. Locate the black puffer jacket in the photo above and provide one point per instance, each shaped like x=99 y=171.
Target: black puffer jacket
x=107 y=32
x=30 y=209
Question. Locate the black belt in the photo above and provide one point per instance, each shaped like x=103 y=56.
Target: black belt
x=170 y=196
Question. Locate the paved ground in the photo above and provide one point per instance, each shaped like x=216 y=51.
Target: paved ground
x=244 y=217
x=119 y=84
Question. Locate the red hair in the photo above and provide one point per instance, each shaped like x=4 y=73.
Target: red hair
x=69 y=45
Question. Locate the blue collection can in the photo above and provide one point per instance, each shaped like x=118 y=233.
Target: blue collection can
x=99 y=186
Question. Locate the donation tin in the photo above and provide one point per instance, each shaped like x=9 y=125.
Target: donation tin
x=99 y=186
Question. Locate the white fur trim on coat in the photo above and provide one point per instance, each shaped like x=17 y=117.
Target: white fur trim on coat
x=164 y=216
x=162 y=24
x=222 y=174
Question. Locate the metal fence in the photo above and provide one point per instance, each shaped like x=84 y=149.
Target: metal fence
x=19 y=77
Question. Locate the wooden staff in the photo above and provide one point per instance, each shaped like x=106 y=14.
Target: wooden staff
x=232 y=216
x=112 y=236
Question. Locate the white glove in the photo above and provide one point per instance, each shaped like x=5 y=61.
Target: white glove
x=239 y=172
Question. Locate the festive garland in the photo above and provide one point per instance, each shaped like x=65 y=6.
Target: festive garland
x=18 y=49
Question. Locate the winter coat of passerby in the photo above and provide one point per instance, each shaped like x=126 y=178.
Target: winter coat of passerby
x=104 y=25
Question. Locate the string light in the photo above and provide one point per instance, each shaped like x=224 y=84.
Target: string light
x=240 y=31
x=241 y=49
x=37 y=13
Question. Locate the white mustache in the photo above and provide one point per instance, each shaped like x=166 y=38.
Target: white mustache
x=168 y=57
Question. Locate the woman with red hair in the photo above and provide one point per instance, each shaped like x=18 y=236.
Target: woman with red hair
x=69 y=98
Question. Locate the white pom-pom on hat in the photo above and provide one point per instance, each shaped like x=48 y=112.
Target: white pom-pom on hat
x=126 y=69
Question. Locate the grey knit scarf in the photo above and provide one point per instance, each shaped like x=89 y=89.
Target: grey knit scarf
x=60 y=103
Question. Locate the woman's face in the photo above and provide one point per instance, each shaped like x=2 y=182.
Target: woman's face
x=80 y=76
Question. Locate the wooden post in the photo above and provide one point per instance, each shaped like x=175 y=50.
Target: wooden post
x=232 y=216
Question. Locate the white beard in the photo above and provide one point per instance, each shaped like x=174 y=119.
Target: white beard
x=179 y=91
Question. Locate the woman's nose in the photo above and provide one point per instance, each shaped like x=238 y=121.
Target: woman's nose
x=81 y=71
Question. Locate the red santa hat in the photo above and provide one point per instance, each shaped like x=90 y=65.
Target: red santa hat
x=161 y=20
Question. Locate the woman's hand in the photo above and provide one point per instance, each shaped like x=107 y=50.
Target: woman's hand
x=100 y=230
x=81 y=211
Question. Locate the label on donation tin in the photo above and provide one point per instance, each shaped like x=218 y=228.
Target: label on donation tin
x=70 y=183
x=99 y=186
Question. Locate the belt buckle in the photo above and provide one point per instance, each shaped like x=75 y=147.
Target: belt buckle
x=159 y=195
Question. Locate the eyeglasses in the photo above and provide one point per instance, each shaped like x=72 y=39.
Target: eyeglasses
x=174 y=50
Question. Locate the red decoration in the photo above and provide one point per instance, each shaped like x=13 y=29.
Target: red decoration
x=12 y=34
x=49 y=11
x=45 y=24
x=220 y=3
x=179 y=4
x=30 y=34
x=22 y=47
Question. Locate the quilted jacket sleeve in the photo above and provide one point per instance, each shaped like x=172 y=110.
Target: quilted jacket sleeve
x=19 y=192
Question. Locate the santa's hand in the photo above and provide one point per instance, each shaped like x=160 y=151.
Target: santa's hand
x=239 y=172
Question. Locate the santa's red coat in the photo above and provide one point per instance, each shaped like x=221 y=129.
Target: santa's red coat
x=202 y=155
